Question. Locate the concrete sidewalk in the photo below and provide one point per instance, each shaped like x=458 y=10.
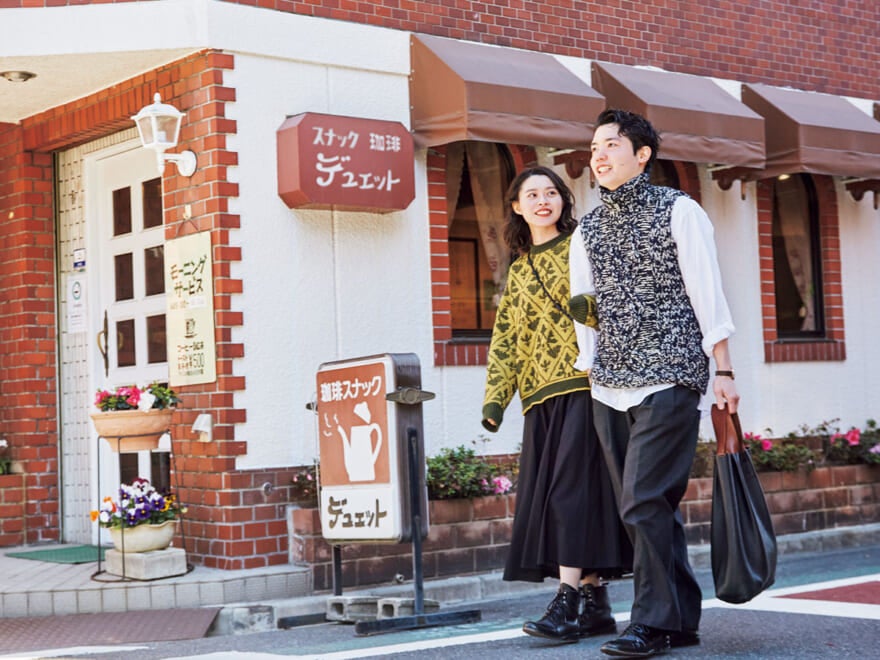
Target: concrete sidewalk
x=261 y=599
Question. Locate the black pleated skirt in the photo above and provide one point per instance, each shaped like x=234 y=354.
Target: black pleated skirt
x=566 y=514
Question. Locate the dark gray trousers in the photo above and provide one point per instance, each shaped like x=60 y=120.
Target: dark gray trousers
x=649 y=450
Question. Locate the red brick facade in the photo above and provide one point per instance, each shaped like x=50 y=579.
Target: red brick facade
x=824 y=47
x=28 y=375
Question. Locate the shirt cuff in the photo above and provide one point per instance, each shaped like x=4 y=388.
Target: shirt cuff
x=715 y=335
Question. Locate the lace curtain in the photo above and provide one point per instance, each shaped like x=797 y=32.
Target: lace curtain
x=794 y=224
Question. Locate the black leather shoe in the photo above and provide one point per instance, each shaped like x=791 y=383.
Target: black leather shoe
x=679 y=638
x=560 y=621
x=595 y=618
x=638 y=641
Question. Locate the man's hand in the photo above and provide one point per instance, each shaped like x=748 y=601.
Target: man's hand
x=724 y=388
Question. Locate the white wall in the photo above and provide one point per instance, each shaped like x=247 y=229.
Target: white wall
x=318 y=285
x=322 y=286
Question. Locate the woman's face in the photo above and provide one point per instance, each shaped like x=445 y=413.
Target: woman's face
x=540 y=204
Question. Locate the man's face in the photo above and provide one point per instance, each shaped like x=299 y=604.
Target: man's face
x=613 y=161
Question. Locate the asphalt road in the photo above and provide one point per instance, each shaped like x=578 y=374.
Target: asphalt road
x=773 y=626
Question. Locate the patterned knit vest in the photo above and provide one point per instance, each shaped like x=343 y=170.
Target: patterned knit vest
x=648 y=333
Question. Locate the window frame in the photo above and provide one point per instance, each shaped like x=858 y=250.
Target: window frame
x=832 y=345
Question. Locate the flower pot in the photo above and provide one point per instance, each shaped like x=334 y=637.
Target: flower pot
x=144 y=537
x=132 y=430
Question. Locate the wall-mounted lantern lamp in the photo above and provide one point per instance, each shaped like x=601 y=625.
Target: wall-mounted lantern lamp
x=204 y=426
x=159 y=127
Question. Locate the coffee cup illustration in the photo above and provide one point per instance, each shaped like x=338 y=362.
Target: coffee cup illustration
x=358 y=452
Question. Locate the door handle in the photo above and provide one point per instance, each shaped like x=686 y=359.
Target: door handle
x=102 y=348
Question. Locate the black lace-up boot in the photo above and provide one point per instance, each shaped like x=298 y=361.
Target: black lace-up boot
x=560 y=621
x=595 y=618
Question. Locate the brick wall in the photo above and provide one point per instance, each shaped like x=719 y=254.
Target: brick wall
x=13 y=521
x=466 y=536
x=472 y=536
x=27 y=329
x=827 y=497
x=826 y=46
x=820 y=46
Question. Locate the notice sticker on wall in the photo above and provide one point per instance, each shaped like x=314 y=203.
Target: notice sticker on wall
x=189 y=315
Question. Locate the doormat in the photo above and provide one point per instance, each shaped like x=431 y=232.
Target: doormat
x=75 y=554
x=106 y=628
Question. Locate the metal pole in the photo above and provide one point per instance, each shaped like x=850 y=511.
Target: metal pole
x=337 y=570
x=416 y=512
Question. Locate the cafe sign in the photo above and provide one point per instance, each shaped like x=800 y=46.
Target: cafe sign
x=333 y=162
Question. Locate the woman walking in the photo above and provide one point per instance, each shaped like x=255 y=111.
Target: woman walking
x=566 y=523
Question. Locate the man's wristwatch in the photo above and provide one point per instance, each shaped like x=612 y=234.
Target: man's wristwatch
x=725 y=372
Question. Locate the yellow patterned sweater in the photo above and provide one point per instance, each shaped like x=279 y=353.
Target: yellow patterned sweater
x=533 y=347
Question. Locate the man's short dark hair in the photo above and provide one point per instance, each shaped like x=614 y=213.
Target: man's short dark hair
x=635 y=127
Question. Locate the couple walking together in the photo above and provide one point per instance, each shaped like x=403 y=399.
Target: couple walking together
x=605 y=329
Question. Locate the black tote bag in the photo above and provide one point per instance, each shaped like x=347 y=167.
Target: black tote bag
x=743 y=544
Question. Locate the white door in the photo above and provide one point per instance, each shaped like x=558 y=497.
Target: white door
x=127 y=292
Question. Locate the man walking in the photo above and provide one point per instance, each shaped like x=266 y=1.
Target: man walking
x=647 y=254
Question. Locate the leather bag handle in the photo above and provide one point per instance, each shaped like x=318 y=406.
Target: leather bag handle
x=728 y=432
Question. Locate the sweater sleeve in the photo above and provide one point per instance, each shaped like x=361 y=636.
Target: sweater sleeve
x=501 y=362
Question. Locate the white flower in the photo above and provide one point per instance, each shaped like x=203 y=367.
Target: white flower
x=3 y=443
x=146 y=401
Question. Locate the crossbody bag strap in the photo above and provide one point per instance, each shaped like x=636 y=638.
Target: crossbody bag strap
x=546 y=292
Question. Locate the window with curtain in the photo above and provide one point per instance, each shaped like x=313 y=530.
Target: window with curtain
x=796 y=258
x=663 y=174
x=477 y=176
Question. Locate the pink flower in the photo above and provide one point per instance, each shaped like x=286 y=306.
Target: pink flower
x=853 y=437
x=875 y=449
x=100 y=396
x=752 y=436
x=501 y=485
x=836 y=437
x=131 y=395
x=766 y=445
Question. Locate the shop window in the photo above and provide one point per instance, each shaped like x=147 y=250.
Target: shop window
x=477 y=176
x=797 y=266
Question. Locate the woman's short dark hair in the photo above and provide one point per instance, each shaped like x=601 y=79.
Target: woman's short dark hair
x=516 y=232
x=635 y=127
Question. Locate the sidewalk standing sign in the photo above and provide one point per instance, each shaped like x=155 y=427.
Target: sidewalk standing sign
x=364 y=475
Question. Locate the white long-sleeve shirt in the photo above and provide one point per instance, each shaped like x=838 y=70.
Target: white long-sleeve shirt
x=693 y=235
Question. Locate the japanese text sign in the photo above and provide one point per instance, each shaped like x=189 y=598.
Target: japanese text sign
x=359 y=490
x=189 y=314
x=333 y=162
